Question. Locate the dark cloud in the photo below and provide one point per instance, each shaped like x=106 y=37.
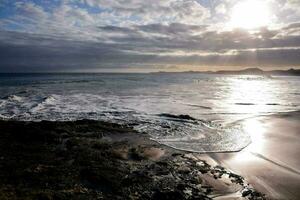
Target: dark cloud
x=154 y=44
x=173 y=28
x=292 y=26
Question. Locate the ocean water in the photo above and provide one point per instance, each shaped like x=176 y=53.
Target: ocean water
x=188 y=111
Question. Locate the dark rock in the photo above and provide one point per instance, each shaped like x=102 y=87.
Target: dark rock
x=184 y=117
x=177 y=154
x=246 y=193
x=184 y=170
x=72 y=160
x=169 y=195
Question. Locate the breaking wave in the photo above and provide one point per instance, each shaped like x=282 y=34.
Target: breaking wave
x=184 y=132
x=181 y=131
x=13 y=98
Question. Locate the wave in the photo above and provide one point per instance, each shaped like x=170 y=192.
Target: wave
x=13 y=98
x=181 y=131
x=42 y=103
x=187 y=133
x=50 y=99
x=204 y=139
x=3 y=117
x=67 y=82
x=2 y=102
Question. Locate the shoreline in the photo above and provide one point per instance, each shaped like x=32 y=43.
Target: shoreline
x=106 y=160
x=98 y=160
x=270 y=163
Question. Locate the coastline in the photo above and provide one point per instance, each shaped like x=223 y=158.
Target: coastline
x=93 y=159
x=98 y=160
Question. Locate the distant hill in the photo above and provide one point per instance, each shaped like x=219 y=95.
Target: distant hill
x=257 y=71
x=290 y=72
x=248 y=71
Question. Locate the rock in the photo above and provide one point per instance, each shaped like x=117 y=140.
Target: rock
x=200 y=164
x=184 y=117
x=120 y=153
x=153 y=153
x=44 y=196
x=135 y=154
x=184 y=170
x=177 y=154
x=168 y=195
x=38 y=162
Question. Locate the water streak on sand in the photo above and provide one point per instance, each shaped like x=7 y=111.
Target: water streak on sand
x=290 y=169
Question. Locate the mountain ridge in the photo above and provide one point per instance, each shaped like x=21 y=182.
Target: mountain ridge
x=248 y=71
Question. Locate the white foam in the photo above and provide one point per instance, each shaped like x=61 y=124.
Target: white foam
x=15 y=98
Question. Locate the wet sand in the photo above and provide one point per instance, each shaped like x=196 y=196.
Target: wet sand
x=271 y=162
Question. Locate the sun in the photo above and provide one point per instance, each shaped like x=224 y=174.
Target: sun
x=250 y=14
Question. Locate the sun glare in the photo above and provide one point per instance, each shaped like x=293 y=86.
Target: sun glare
x=250 y=14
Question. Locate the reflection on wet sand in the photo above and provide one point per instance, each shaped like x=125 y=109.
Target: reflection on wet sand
x=256 y=130
x=270 y=163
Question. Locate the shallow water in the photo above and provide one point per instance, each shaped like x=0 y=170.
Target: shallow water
x=208 y=104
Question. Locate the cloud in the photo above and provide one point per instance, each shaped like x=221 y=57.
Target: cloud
x=97 y=34
x=31 y=10
x=143 y=12
x=221 y=9
x=145 y=45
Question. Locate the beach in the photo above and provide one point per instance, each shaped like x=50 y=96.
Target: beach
x=270 y=163
x=149 y=136
x=92 y=159
x=149 y=100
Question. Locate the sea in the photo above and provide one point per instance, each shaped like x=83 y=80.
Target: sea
x=188 y=111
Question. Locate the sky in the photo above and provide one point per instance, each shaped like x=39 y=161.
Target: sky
x=152 y=35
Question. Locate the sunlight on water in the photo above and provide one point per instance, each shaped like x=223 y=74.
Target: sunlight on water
x=250 y=96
